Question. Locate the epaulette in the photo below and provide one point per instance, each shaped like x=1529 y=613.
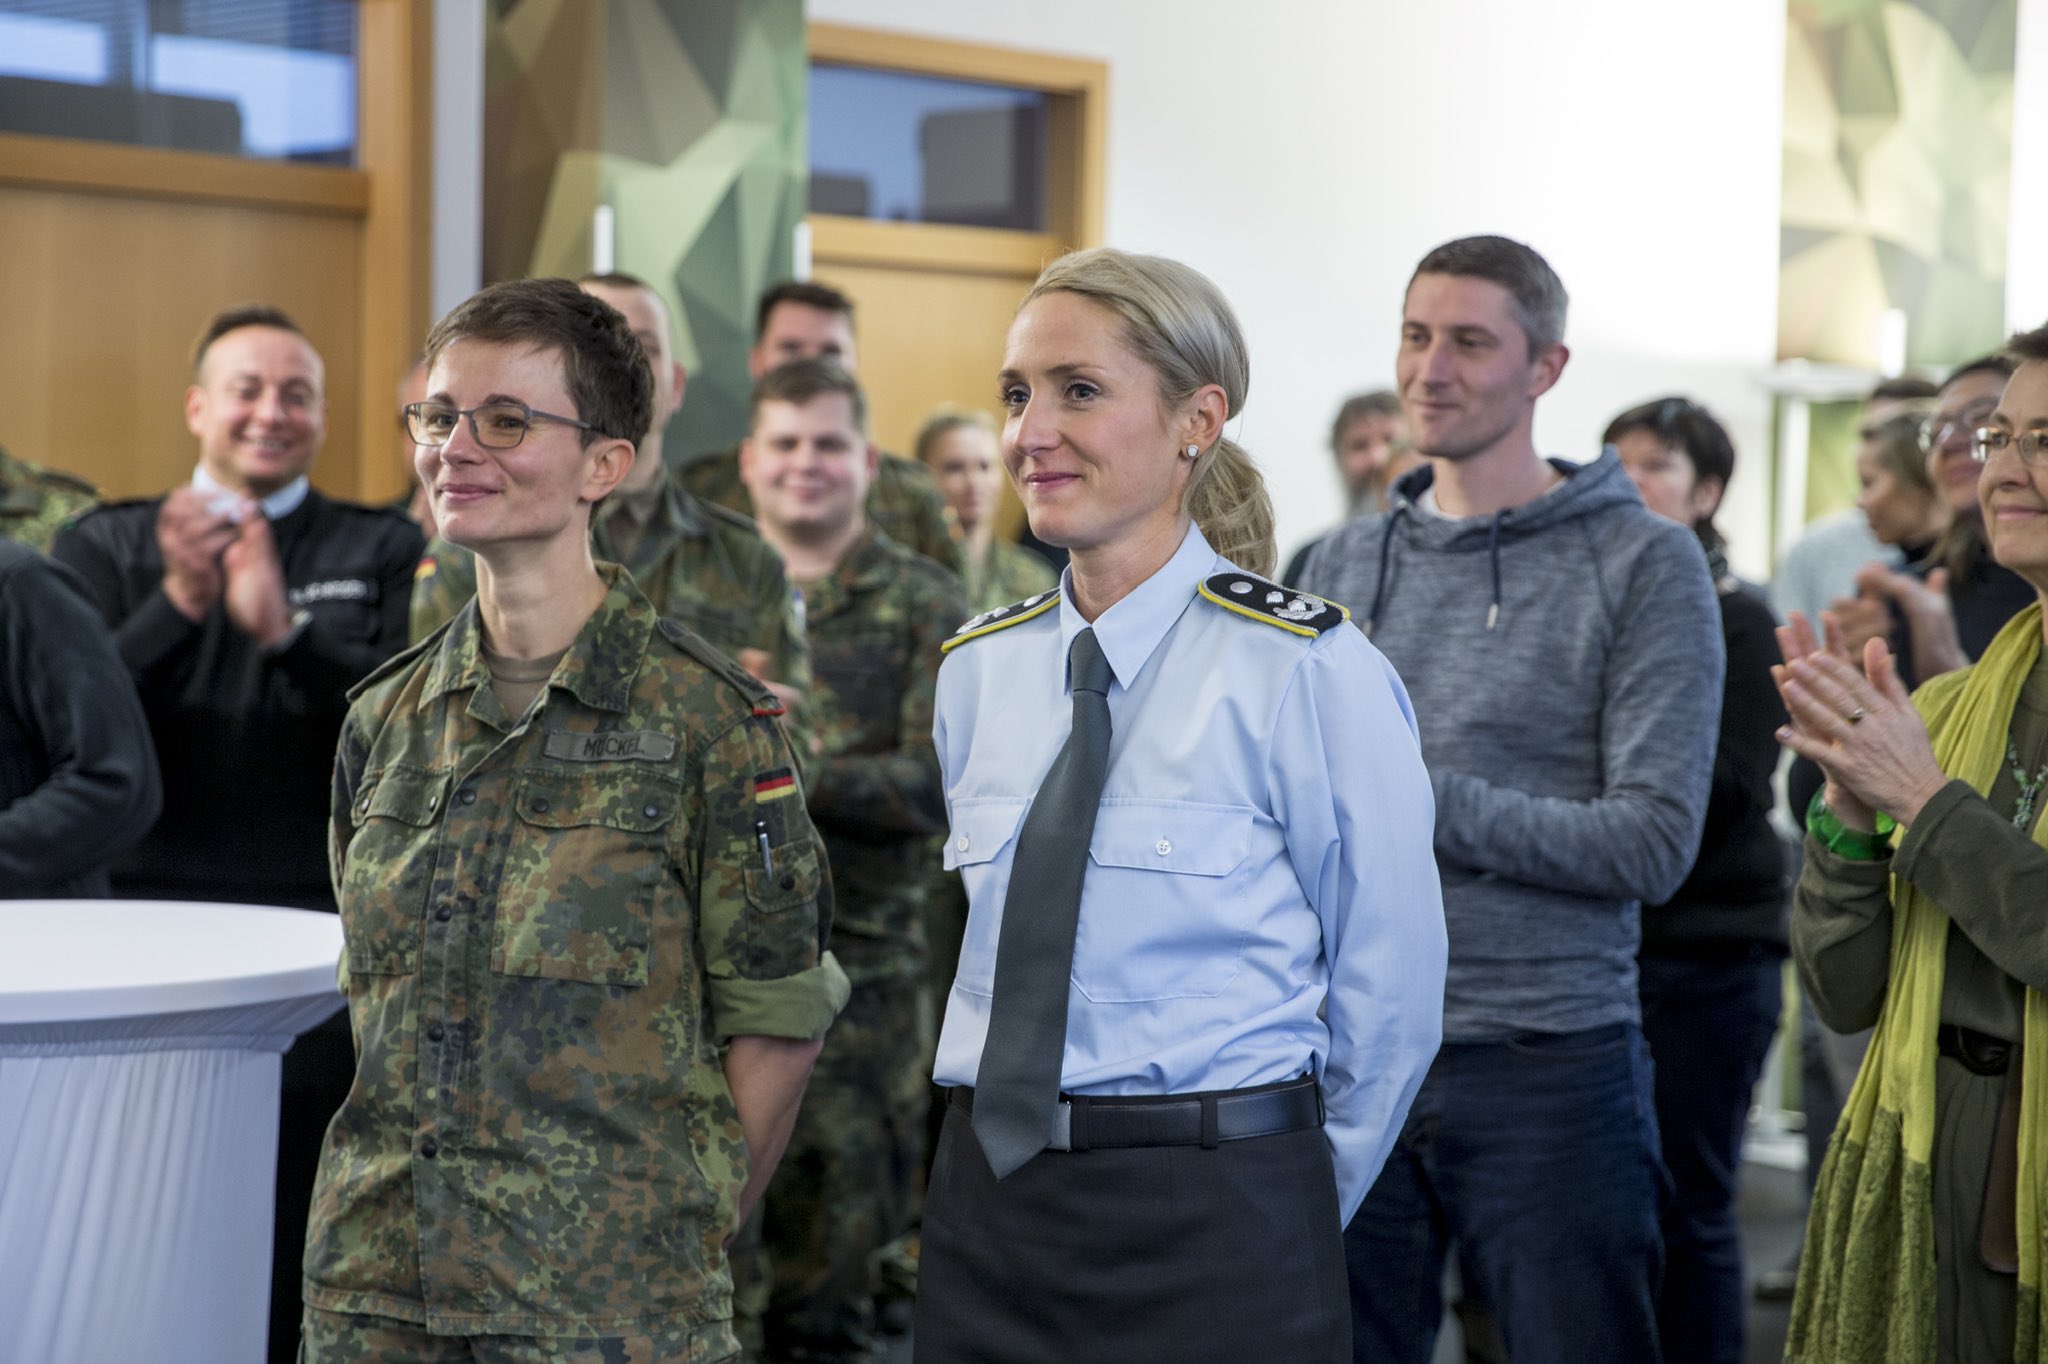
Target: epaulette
x=718 y=511
x=765 y=702
x=58 y=478
x=1002 y=618
x=1271 y=604
x=399 y=660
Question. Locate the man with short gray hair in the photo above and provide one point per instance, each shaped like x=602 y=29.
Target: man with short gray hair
x=1563 y=649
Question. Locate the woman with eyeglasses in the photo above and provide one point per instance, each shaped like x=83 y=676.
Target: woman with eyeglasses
x=1711 y=963
x=1947 y=604
x=1919 y=910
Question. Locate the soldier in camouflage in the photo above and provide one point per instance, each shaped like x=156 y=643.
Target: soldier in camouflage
x=877 y=615
x=35 y=502
x=797 y=321
x=697 y=562
x=584 y=908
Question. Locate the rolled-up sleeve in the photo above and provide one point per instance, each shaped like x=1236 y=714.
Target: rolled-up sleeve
x=1352 y=793
x=758 y=876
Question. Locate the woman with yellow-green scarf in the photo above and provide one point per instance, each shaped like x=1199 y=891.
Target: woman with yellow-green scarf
x=1923 y=909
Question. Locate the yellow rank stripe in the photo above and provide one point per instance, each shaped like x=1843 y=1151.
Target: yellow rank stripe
x=1249 y=614
x=1005 y=623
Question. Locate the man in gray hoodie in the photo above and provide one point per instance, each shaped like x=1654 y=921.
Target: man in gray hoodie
x=1563 y=649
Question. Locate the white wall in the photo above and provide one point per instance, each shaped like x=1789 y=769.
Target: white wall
x=1304 y=153
x=458 y=231
x=2026 y=271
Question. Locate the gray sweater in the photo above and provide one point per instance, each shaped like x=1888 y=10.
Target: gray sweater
x=1564 y=659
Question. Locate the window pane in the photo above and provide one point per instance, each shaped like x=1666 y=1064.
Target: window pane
x=921 y=149
x=261 y=78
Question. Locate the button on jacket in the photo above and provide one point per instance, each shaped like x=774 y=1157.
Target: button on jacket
x=1262 y=853
x=553 y=922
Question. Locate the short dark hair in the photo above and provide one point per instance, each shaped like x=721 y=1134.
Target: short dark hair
x=1997 y=362
x=1685 y=426
x=823 y=297
x=2028 y=347
x=604 y=366
x=1538 y=293
x=1903 y=388
x=233 y=320
x=800 y=382
x=1378 y=403
x=618 y=279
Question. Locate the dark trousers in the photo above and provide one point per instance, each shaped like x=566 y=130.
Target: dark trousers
x=1173 y=1254
x=318 y=1071
x=1709 y=1024
x=1539 y=1156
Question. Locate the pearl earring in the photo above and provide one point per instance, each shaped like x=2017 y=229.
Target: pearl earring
x=1194 y=451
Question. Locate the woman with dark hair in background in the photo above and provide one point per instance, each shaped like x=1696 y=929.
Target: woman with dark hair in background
x=1712 y=956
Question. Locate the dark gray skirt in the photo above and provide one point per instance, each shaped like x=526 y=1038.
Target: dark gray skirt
x=1175 y=1254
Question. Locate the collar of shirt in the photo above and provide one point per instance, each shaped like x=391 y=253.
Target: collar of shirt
x=619 y=629
x=276 y=507
x=1130 y=630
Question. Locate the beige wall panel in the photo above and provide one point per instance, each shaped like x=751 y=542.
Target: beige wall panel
x=104 y=296
x=926 y=339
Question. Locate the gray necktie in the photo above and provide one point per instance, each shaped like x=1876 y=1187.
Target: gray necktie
x=1018 y=1087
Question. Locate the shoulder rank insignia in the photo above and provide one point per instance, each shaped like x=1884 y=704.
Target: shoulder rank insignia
x=1002 y=618
x=1273 y=604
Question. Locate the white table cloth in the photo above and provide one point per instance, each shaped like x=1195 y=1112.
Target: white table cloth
x=139 y=1066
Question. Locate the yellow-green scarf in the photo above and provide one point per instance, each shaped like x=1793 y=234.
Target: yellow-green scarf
x=1866 y=1275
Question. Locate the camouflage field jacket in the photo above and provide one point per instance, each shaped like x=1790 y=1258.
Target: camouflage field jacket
x=552 y=924
x=876 y=627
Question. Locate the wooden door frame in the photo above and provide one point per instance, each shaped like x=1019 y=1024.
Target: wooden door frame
x=1076 y=141
x=388 y=191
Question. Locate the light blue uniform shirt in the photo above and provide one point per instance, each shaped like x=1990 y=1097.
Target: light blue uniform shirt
x=1262 y=898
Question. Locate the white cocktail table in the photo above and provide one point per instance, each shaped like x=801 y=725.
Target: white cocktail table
x=139 y=1064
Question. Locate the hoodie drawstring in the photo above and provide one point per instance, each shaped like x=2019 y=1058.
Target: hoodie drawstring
x=1493 y=554
x=1379 y=589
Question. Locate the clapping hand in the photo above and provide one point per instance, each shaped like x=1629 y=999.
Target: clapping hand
x=255 y=584
x=1860 y=728
x=193 y=531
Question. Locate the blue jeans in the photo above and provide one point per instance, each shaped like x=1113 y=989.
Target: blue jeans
x=1538 y=1155
x=1709 y=1025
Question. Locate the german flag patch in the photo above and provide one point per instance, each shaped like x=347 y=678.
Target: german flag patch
x=774 y=785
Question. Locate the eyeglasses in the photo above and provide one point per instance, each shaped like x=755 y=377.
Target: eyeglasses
x=1987 y=441
x=1943 y=427
x=499 y=426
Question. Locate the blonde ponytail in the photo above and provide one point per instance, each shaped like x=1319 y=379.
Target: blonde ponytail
x=1227 y=498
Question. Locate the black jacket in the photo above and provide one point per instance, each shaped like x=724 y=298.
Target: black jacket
x=78 y=780
x=246 y=738
x=1735 y=896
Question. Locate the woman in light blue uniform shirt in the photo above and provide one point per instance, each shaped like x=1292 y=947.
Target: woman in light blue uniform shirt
x=1255 y=985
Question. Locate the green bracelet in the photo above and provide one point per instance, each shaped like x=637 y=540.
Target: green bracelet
x=1843 y=841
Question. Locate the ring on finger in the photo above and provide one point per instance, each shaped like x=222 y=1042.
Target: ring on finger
x=1855 y=717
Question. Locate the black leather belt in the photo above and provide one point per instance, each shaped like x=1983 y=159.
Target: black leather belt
x=1980 y=1052
x=1098 y=1122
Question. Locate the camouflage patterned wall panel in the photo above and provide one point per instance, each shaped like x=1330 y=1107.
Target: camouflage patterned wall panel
x=1898 y=170
x=1897 y=177
x=686 y=117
